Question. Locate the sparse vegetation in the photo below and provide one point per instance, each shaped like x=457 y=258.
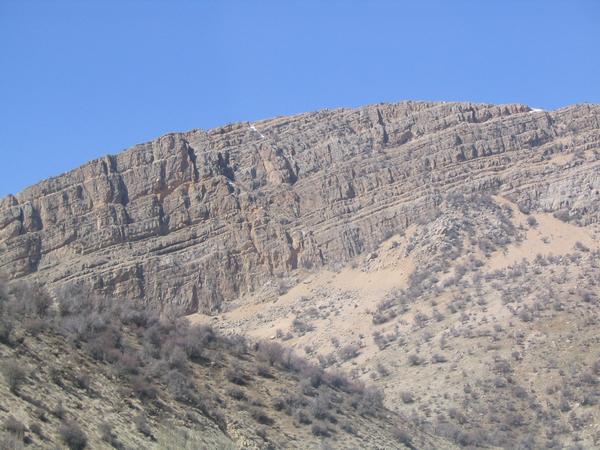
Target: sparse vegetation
x=154 y=359
x=455 y=323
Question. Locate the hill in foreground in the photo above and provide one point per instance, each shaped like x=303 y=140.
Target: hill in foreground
x=98 y=375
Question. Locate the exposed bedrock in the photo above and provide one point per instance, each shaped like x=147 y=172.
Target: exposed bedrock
x=195 y=219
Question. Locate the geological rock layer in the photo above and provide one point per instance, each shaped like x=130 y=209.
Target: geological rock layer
x=195 y=219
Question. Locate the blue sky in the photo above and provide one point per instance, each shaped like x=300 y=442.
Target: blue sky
x=80 y=79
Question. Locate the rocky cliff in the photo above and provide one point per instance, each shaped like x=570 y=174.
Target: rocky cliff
x=195 y=219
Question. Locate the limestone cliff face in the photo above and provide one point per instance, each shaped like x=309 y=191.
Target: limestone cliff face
x=197 y=218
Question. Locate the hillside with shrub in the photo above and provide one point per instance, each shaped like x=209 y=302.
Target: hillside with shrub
x=86 y=372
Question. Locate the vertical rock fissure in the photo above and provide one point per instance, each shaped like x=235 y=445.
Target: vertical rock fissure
x=192 y=156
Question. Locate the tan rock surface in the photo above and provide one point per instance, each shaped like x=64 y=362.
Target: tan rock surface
x=194 y=219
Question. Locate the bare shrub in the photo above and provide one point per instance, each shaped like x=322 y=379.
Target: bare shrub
x=73 y=436
x=596 y=367
x=438 y=359
x=562 y=215
x=56 y=376
x=107 y=435
x=457 y=415
x=320 y=407
x=382 y=370
x=403 y=437
x=314 y=374
x=337 y=379
x=327 y=360
x=37 y=430
x=368 y=401
x=271 y=352
x=407 y=397
x=181 y=387
x=141 y=424
x=9 y=441
x=82 y=380
x=420 y=319
x=264 y=371
x=589 y=378
x=237 y=394
x=143 y=389
x=174 y=354
x=348 y=352
x=6 y=327
x=30 y=300
x=236 y=375
x=196 y=341
x=3 y=293
x=525 y=315
x=320 y=430
x=301 y=327
x=59 y=410
x=261 y=417
x=14 y=375
x=128 y=363
x=415 y=360
x=14 y=427
x=502 y=366
x=303 y=418
x=102 y=346
x=136 y=314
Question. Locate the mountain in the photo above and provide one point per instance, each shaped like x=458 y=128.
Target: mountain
x=199 y=218
x=445 y=252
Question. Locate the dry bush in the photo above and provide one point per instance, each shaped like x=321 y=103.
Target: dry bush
x=14 y=375
x=236 y=375
x=182 y=388
x=368 y=401
x=14 y=427
x=6 y=327
x=271 y=352
x=107 y=435
x=143 y=389
x=37 y=430
x=73 y=436
x=407 y=397
x=415 y=360
x=237 y=394
x=532 y=221
x=320 y=430
x=260 y=416
x=9 y=441
x=349 y=351
x=301 y=327
x=382 y=370
x=403 y=437
x=141 y=424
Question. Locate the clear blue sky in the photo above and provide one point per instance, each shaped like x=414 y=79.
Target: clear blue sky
x=80 y=79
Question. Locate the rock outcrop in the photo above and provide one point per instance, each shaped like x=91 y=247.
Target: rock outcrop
x=195 y=219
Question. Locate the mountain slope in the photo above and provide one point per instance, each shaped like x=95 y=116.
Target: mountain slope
x=446 y=252
x=92 y=374
x=199 y=218
x=480 y=324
